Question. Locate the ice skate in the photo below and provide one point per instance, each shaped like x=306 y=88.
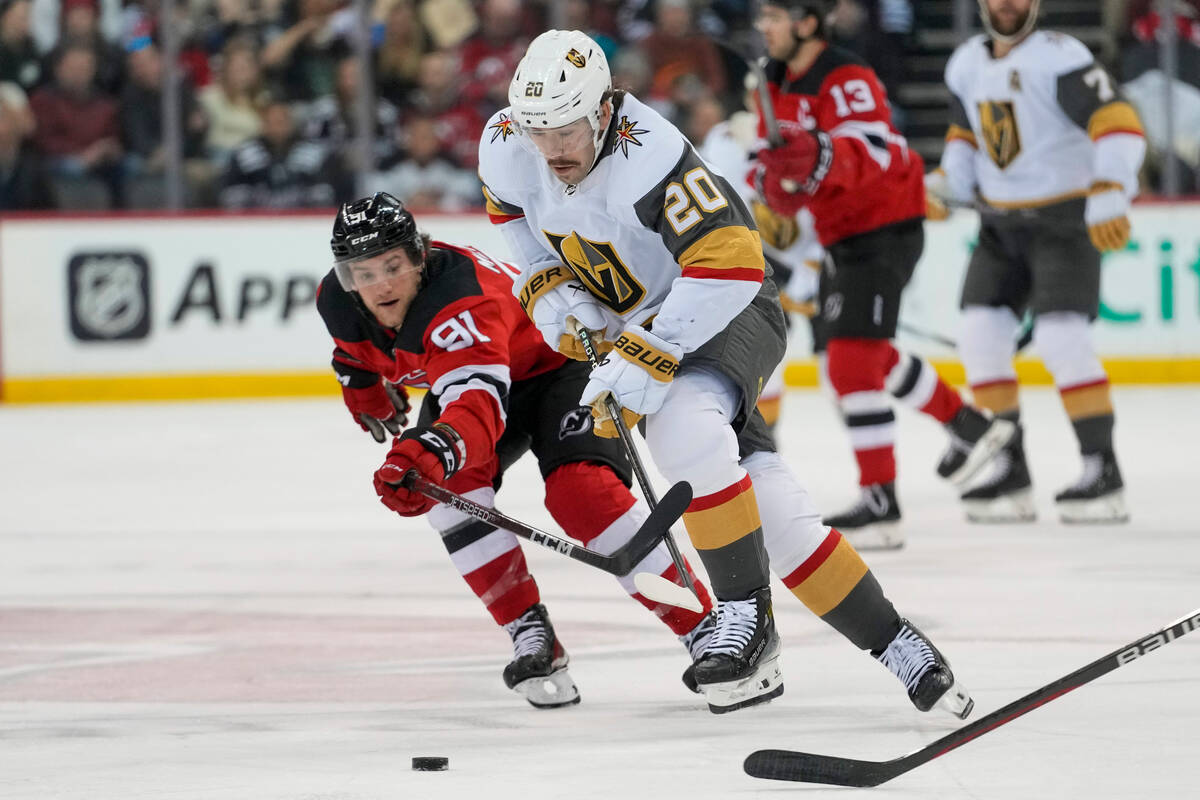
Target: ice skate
x=976 y=438
x=740 y=664
x=538 y=671
x=874 y=522
x=695 y=641
x=1098 y=495
x=1006 y=493
x=924 y=672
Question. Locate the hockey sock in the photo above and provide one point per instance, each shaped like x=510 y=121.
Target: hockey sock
x=836 y=585
x=492 y=564
x=1000 y=397
x=914 y=382
x=591 y=504
x=1091 y=412
x=857 y=368
x=726 y=530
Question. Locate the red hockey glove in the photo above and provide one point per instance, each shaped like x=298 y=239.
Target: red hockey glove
x=799 y=164
x=436 y=453
x=379 y=410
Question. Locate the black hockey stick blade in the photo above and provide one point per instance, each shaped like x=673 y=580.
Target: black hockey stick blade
x=668 y=511
x=791 y=765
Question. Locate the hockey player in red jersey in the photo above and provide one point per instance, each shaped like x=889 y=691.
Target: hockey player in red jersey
x=844 y=161
x=407 y=312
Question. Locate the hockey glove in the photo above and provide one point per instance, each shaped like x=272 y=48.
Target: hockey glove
x=552 y=295
x=638 y=372
x=777 y=230
x=435 y=453
x=804 y=158
x=379 y=410
x=937 y=191
x=1107 y=216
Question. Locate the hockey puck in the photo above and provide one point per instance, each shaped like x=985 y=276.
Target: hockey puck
x=430 y=763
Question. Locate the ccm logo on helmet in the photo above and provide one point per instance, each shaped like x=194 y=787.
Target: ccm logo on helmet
x=365 y=238
x=652 y=360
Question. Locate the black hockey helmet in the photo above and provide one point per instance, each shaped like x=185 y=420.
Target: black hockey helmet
x=800 y=9
x=371 y=226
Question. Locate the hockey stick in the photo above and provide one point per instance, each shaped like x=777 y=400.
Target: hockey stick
x=619 y=563
x=790 y=765
x=1024 y=339
x=639 y=470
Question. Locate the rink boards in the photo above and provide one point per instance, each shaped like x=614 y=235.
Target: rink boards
x=216 y=305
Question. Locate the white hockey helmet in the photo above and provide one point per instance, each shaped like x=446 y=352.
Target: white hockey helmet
x=562 y=78
x=1025 y=28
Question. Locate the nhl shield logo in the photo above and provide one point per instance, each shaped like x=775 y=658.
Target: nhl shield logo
x=109 y=296
x=1001 y=136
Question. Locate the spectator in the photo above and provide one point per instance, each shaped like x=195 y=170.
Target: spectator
x=229 y=20
x=232 y=103
x=331 y=122
x=48 y=21
x=23 y=184
x=303 y=58
x=576 y=15
x=704 y=115
x=20 y=61
x=490 y=57
x=81 y=24
x=142 y=119
x=631 y=72
x=398 y=59
x=426 y=179
x=77 y=125
x=676 y=48
x=279 y=170
x=438 y=96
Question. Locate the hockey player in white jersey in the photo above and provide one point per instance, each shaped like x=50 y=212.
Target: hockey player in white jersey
x=1041 y=136
x=617 y=223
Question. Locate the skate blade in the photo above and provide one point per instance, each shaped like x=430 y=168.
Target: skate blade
x=1100 y=510
x=879 y=536
x=957 y=701
x=1013 y=507
x=988 y=447
x=764 y=685
x=555 y=690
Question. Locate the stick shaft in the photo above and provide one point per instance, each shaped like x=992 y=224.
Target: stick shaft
x=639 y=469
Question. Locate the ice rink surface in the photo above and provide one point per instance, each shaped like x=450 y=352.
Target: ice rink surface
x=206 y=601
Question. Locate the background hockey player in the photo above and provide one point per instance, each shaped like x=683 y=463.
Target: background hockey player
x=1040 y=132
x=864 y=187
x=790 y=244
x=617 y=224
x=404 y=311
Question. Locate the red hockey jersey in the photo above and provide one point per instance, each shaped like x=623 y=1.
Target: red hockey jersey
x=875 y=179
x=465 y=338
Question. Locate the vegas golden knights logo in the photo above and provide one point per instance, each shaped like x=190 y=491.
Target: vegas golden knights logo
x=576 y=58
x=600 y=269
x=998 y=119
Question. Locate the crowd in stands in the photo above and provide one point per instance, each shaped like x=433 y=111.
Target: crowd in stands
x=268 y=92
x=269 y=87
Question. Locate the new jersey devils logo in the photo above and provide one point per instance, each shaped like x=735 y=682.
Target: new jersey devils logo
x=575 y=422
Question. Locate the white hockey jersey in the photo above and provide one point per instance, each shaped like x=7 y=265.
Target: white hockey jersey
x=1041 y=125
x=652 y=232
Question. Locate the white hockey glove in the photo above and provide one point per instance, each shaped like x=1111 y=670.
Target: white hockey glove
x=552 y=295
x=638 y=372
x=1107 y=216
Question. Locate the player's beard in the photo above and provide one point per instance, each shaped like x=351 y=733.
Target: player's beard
x=1009 y=25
